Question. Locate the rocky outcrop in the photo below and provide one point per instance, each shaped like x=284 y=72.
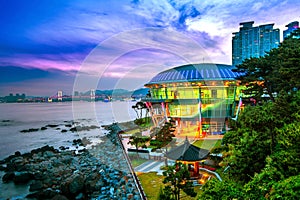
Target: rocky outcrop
x=98 y=173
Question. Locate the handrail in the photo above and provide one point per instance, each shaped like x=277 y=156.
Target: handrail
x=211 y=172
x=135 y=178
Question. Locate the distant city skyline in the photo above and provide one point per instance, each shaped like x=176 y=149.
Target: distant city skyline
x=45 y=43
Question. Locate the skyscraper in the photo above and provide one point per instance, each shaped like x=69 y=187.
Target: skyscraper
x=291 y=27
x=253 y=41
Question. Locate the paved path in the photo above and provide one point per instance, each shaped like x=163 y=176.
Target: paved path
x=150 y=166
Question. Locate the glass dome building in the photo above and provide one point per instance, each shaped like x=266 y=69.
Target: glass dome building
x=199 y=97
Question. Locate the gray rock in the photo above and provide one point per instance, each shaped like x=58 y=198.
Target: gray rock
x=79 y=196
x=44 y=194
x=48 y=154
x=73 y=185
x=59 y=197
x=129 y=196
x=35 y=186
x=9 y=176
x=22 y=178
x=111 y=190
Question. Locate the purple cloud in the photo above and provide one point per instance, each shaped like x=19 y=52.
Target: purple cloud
x=63 y=35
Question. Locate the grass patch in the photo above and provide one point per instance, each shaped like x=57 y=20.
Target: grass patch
x=208 y=144
x=151 y=183
x=137 y=161
x=133 y=131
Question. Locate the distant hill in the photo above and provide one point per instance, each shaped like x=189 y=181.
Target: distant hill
x=139 y=93
x=112 y=92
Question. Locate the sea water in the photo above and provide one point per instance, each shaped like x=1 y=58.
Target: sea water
x=15 y=117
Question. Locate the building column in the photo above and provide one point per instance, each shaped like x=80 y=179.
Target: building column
x=196 y=168
x=199 y=132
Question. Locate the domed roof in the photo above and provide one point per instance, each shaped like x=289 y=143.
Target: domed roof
x=196 y=72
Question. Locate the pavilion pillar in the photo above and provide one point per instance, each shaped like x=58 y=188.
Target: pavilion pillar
x=196 y=168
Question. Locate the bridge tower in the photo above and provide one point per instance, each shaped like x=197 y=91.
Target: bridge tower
x=92 y=95
x=59 y=95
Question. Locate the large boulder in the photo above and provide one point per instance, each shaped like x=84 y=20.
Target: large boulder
x=59 y=197
x=93 y=182
x=73 y=185
x=22 y=178
x=9 y=176
x=76 y=184
x=36 y=185
x=44 y=194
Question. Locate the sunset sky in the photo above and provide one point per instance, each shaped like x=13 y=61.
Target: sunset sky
x=45 y=44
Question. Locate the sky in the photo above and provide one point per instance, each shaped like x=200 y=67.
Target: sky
x=77 y=45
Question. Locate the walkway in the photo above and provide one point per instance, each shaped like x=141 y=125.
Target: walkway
x=150 y=166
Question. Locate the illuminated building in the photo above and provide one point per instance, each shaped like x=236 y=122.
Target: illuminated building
x=291 y=27
x=199 y=97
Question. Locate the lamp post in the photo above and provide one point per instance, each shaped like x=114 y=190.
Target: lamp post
x=199 y=111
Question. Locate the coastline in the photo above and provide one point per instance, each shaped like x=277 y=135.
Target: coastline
x=101 y=172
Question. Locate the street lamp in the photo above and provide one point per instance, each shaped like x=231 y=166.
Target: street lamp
x=199 y=111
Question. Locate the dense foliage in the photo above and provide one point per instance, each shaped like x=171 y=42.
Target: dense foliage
x=277 y=72
x=138 y=108
x=262 y=150
x=163 y=136
x=138 y=141
x=175 y=180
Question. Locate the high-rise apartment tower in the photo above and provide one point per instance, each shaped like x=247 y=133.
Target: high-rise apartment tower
x=291 y=27
x=253 y=41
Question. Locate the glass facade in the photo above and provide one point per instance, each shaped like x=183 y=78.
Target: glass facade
x=215 y=101
x=291 y=27
x=200 y=106
x=253 y=41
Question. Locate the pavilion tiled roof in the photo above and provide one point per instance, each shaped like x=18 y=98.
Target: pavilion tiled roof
x=187 y=152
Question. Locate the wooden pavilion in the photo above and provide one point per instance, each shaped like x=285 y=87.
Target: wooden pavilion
x=190 y=155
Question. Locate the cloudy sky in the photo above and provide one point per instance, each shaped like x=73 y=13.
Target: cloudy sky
x=52 y=45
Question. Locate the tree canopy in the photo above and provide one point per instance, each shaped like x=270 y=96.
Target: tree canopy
x=262 y=149
x=176 y=177
x=138 y=141
x=276 y=72
x=163 y=136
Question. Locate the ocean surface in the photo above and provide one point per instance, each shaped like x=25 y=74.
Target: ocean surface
x=15 y=117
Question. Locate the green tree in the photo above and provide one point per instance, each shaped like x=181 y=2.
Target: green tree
x=262 y=149
x=165 y=194
x=287 y=189
x=138 y=108
x=281 y=165
x=249 y=143
x=252 y=140
x=176 y=179
x=138 y=141
x=287 y=61
x=163 y=136
x=258 y=77
x=278 y=71
x=225 y=189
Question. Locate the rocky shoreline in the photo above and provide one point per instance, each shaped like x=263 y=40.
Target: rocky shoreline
x=101 y=172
